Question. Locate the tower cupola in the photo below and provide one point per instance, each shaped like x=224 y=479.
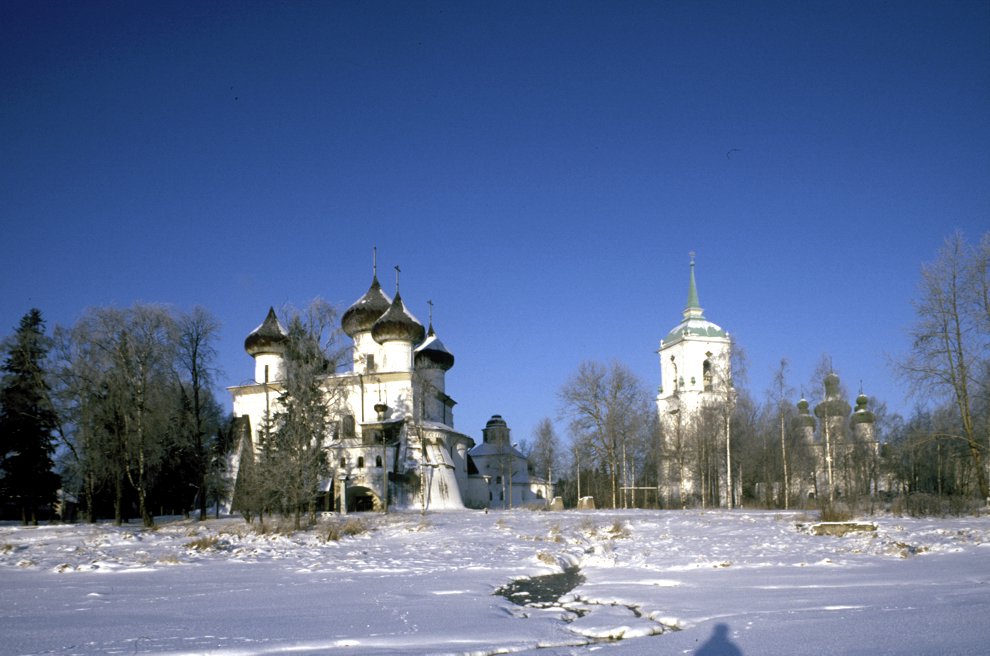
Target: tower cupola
x=433 y=354
x=363 y=314
x=861 y=415
x=266 y=344
x=398 y=324
x=270 y=337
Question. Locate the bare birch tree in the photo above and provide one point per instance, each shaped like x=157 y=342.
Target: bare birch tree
x=949 y=357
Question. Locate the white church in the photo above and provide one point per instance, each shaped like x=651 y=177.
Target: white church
x=695 y=374
x=393 y=444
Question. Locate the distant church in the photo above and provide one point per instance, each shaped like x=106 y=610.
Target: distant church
x=695 y=375
x=393 y=444
x=842 y=459
x=694 y=404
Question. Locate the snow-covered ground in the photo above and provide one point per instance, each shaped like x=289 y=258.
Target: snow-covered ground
x=668 y=582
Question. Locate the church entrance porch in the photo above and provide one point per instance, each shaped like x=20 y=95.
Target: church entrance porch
x=362 y=499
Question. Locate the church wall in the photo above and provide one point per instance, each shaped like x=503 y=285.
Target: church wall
x=364 y=346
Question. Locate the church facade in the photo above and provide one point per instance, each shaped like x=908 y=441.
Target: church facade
x=393 y=443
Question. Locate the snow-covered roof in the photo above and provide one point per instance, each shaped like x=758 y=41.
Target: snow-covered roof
x=361 y=316
x=398 y=324
x=489 y=449
x=433 y=352
x=695 y=327
x=269 y=337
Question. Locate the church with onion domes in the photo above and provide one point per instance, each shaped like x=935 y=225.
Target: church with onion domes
x=393 y=443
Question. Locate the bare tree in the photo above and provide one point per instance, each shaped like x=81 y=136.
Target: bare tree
x=950 y=345
x=116 y=374
x=195 y=358
x=780 y=395
x=608 y=407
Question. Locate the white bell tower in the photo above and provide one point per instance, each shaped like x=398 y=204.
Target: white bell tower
x=694 y=371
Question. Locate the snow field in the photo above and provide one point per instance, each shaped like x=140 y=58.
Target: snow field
x=654 y=582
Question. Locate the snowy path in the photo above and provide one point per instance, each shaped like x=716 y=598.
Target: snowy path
x=413 y=586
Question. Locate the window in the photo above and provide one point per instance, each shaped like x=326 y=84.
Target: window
x=343 y=463
x=369 y=362
x=378 y=462
x=347 y=425
x=707 y=375
x=360 y=462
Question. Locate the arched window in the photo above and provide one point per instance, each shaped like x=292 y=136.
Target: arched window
x=378 y=462
x=347 y=425
x=343 y=462
x=360 y=462
x=706 y=373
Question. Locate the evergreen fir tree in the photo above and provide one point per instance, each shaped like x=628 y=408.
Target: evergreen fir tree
x=27 y=422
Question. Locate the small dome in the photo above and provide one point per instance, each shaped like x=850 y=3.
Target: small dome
x=804 y=418
x=269 y=337
x=366 y=310
x=433 y=354
x=694 y=327
x=397 y=325
x=861 y=415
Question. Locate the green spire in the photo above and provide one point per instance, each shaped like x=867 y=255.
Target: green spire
x=693 y=287
x=693 y=308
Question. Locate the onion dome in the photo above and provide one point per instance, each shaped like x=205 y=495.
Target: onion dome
x=433 y=354
x=833 y=405
x=861 y=415
x=270 y=337
x=804 y=418
x=397 y=325
x=366 y=310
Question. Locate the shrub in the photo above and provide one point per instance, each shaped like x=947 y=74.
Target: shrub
x=619 y=530
x=348 y=528
x=204 y=543
x=834 y=513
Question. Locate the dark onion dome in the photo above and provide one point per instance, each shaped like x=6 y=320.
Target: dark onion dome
x=861 y=415
x=433 y=354
x=365 y=312
x=397 y=325
x=269 y=337
x=496 y=421
x=804 y=418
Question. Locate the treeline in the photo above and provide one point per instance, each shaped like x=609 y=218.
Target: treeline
x=115 y=417
x=122 y=405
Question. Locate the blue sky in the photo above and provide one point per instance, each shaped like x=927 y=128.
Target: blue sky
x=540 y=170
